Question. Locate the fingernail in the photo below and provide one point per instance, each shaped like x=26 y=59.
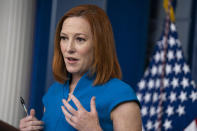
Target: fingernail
x=65 y=102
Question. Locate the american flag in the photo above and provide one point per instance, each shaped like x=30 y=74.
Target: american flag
x=167 y=93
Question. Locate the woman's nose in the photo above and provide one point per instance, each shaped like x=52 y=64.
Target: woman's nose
x=71 y=47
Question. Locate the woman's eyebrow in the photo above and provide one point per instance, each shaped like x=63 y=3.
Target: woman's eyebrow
x=77 y=34
x=61 y=33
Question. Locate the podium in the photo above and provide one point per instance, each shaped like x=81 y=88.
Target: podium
x=7 y=127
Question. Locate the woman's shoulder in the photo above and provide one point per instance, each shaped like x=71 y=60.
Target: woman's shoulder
x=117 y=83
x=120 y=92
x=117 y=87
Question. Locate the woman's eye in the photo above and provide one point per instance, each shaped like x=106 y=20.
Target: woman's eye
x=63 y=38
x=79 y=39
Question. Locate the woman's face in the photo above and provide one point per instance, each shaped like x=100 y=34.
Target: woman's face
x=76 y=45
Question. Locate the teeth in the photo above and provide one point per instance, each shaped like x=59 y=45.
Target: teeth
x=71 y=59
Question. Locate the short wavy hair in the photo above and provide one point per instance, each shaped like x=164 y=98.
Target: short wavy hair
x=105 y=65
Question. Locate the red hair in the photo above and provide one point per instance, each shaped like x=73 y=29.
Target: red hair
x=105 y=65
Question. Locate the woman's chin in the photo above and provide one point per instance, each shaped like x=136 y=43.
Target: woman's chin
x=76 y=72
x=73 y=71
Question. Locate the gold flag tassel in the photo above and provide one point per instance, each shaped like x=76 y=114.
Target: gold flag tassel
x=171 y=9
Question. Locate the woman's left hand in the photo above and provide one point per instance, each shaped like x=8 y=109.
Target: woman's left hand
x=81 y=119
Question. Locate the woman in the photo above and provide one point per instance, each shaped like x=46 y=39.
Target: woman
x=88 y=95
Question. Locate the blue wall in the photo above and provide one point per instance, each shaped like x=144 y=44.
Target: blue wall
x=129 y=19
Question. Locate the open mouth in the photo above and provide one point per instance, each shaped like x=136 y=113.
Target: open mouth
x=72 y=60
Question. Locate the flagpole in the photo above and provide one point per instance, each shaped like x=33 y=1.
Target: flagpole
x=165 y=45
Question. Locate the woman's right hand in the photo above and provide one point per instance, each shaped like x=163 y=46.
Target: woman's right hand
x=30 y=123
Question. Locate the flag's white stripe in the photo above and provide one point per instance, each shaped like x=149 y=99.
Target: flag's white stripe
x=192 y=126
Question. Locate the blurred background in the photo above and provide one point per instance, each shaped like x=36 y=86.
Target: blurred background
x=27 y=29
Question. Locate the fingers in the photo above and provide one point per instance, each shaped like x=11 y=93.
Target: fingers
x=81 y=119
x=30 y=128
x=71 y=122
x=30 y=122
x=32 y=112
x=28 y=118
x=69 y=117
x=35 y=123
x=66 y=113
x=76 y=102
x=69 y=107
x=93 y=105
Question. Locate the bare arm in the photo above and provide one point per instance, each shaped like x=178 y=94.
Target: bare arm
x=126 y=117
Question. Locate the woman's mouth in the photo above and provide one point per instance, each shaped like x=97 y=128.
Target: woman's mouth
x=72 y=60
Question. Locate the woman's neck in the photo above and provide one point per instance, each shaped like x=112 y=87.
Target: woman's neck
x=74 y=81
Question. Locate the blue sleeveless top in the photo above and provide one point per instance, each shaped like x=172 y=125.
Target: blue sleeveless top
x=108 y=96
